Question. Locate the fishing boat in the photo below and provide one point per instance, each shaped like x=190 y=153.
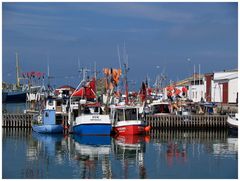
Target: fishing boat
x=92 y=121
x=89 y=118
x=48 y=122
x=232 y=121
x=159 y=108
x=15 y=96
x=126 y=120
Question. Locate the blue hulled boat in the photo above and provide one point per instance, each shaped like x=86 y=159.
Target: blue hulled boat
x=92 y=122
x=89 y=118
x=48 y=123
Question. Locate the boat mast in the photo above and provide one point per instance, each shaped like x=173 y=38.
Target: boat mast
x=17 y=71
x=126 y=69
x=95 y=77
x=126 y=82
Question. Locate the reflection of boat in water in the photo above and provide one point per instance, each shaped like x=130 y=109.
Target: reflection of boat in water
x=227 y=149
x=92 y=140
x=47 y=138
x=130 y=149
x=48 y=142
x=93 y=152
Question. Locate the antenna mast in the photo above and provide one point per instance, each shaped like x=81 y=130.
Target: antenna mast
x=17 y=71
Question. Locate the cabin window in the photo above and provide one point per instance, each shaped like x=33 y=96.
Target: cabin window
x=131 y=114
x=50 y=102
x=96 y=110
x=58 y=103
x=161 y=109
x=119 y=115
x=87 y=110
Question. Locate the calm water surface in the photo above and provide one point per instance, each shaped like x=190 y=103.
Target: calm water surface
x=163 y=154
x=13 y=107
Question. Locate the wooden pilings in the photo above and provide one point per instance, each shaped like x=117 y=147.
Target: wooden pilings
x=160 y=121
x=200 y=135
x=192 y=121
x=18 y=120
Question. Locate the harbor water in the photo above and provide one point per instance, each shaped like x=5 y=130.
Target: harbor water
x=163 y=154
x=13 y=107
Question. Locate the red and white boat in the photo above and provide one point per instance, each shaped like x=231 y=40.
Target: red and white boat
x=126 y=120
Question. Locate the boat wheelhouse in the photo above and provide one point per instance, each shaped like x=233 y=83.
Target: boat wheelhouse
x=90 y=120
x=160 y=108
x=126 y=120
x=48 y=122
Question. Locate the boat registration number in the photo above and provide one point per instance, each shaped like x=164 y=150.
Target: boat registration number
x=94 y=117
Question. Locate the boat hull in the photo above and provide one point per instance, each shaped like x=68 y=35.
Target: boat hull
x=48 y=128
x=4 y=96
x=232 y=123
x=92 y=129
x=16 y=97
x=129 y=129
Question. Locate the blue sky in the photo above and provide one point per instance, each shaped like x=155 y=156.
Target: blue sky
x=158 y=37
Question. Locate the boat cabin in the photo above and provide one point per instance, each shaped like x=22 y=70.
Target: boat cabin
x=50 y=117
x=160 y=108
x=207 y=108
x=92 y=109
x=125 y=114
x=60 y=105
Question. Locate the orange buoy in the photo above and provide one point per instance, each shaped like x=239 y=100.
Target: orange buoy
x=147 y=128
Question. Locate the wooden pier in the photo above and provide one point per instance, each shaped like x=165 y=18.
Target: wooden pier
x=192 y=121
x=18 y=120
x=21 y=120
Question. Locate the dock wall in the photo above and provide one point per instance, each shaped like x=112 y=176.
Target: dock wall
x=18 y=120
x=162 y=121
x=192 y=121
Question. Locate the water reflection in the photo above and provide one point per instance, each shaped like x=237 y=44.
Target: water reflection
x=48 y=144
x=13 y=107
x=180 y=146
x=161 y=154
x=43 y=151
x=176 y=151
x=130 y=150
x=92 y=152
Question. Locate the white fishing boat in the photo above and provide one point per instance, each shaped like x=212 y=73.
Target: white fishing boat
x=232 y=121
x=89 y=118
x=160 y=108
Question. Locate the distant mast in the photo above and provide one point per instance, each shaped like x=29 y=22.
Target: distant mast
x=17 y=71
x=126 y=82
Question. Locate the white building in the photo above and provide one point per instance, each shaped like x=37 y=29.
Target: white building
x=195 y=86
x=224 y=87
x=221 y=87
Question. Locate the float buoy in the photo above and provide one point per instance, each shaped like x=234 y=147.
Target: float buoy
x=147 y=128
